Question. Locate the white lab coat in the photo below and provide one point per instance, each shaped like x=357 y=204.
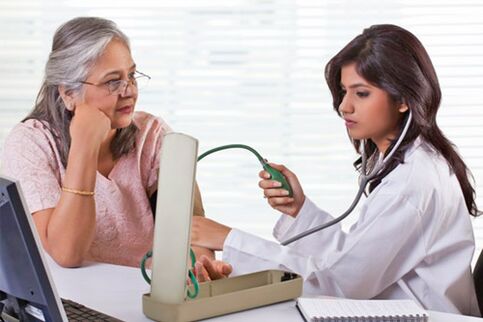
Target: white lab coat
x=413 y=239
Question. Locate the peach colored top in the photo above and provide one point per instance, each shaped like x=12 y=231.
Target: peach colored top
x=124 y=226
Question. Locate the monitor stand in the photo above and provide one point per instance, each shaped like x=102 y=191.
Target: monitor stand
x=174 y=208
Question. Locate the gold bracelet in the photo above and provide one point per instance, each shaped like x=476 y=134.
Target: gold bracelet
x=78 y=192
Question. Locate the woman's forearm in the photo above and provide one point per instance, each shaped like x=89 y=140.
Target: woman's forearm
x=72 y=224
x=199 y=251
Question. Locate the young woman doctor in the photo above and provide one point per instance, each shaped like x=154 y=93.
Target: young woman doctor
x=413 y=238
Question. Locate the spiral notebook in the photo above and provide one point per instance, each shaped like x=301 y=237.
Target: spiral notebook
x=342 y=310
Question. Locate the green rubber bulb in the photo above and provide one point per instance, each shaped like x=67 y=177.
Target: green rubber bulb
x=278 y=176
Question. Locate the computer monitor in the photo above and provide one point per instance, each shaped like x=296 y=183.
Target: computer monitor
x=27 y=292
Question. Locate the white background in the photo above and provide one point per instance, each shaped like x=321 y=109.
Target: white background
x=251 y=72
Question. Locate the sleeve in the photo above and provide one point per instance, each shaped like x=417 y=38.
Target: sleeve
x=29 y=158
x=309 y=216
x=382 y=248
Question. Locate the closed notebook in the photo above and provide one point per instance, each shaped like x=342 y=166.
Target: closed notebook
x=342 y=310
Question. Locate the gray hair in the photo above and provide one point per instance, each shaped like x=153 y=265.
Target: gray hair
x=76 y=46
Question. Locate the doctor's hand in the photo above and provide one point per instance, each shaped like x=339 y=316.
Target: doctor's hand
x=278 y=198
x=208 y=233
x=207 y=269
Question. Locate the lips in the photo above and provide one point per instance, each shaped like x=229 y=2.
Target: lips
x=127 y=109
x=349 y=122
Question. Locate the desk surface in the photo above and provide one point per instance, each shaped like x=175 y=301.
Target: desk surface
x=117 y=291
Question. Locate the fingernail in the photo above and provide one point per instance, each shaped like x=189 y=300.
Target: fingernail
x=277 y=184
x=285 y=192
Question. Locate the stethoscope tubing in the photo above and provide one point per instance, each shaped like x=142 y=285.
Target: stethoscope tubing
x=364 y=180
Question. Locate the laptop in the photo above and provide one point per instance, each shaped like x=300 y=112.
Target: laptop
x=27 y=291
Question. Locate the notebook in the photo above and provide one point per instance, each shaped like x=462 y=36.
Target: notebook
x=342 y=310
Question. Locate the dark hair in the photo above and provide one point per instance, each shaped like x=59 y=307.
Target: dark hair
x=393 y=59
x=77 y=45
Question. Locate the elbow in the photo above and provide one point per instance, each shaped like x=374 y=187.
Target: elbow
x=68 y=262
x=67 y=258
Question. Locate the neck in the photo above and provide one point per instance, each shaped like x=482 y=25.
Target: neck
x=383 y=144
x=105 y=149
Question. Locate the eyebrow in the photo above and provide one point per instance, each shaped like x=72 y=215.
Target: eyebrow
x=355 y=85
x=118 y=71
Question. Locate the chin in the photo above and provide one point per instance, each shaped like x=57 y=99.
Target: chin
x=120 y=125
x=355 y=135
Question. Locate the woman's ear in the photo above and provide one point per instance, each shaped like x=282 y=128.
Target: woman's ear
x=403 y=108
x=67 y=98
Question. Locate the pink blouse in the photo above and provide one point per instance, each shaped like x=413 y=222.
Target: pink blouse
x=124 y=220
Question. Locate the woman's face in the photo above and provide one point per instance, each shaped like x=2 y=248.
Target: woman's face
x=114 y=64
x=368 y=111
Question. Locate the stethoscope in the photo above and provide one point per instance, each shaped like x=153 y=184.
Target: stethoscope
x=364 y=180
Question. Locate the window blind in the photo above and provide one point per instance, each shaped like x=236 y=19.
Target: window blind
x=251 y=72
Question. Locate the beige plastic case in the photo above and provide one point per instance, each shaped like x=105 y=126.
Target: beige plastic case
x=166 y=301
x=227 y=296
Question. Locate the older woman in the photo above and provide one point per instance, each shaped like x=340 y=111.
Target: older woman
x=87 y=162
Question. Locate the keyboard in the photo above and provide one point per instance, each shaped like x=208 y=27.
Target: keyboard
x=79 y=312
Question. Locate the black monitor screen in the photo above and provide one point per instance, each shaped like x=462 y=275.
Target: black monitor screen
x=26 y=288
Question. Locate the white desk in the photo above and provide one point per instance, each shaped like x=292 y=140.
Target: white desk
x=117 y=291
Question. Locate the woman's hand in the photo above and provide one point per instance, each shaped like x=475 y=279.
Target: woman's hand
x=278 y=198
x=90 y=124
x=207 y=269
x=208 y=233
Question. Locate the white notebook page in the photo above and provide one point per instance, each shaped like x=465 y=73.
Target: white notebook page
x=320 y=308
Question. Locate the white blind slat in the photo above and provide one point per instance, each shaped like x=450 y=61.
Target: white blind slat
x=252 y=72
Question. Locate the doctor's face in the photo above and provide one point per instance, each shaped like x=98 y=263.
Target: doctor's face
x=368 y=111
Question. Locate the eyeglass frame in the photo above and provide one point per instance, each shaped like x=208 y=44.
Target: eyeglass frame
x=122 y=83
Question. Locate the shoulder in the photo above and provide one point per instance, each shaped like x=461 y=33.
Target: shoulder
x=30 y=152
x=424 y=163
x=149 y=123
x=425 y=177
x=29 y=134
x=420 y=161
x=28 y=126
x=152 y=129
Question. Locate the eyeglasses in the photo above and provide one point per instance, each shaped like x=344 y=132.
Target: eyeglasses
x=118 y=86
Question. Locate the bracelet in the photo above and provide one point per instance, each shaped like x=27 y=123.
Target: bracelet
x=78 y=192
